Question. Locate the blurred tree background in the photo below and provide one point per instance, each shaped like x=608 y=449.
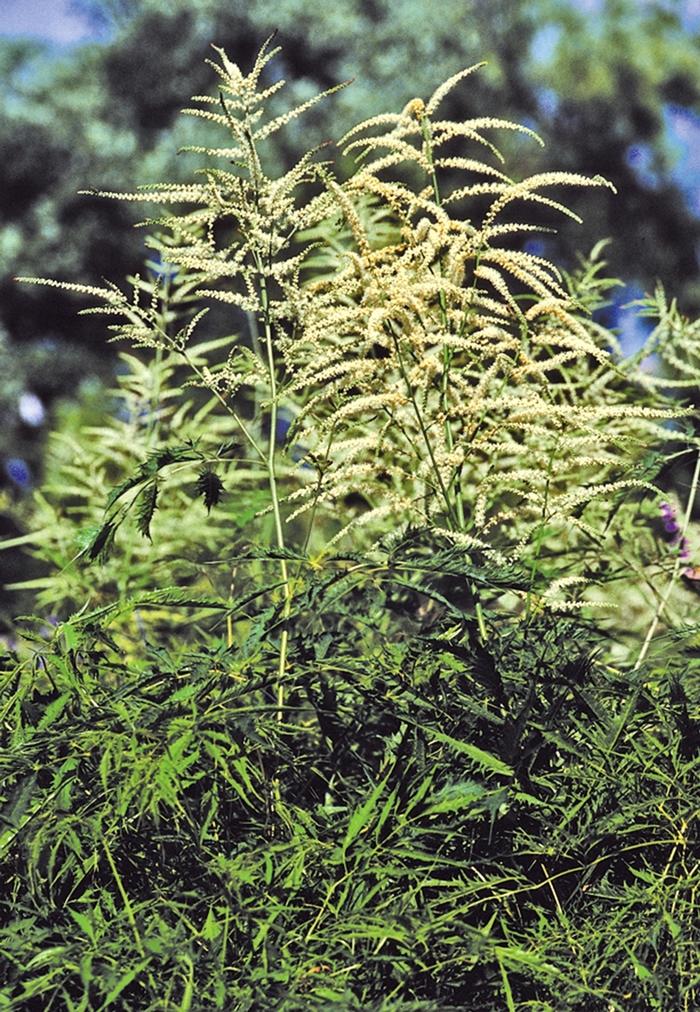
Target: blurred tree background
x=613 y=87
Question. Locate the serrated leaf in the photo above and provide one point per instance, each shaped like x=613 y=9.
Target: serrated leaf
x=674 y=927
x=362 y=815
x=46 y=956
x=150 y=467
x=477 y=755
x=146 y=505
x=70 y=635
x=84 y=536
x=18 y=800
x=124 y=982
x=210 y=488
x=84 y=923
x=211 y=928
x=100 y=544
x=54 y=710
x=166 y=596
x=118 y=491
x=167 y=455
x=184 y=693
x=455 y=797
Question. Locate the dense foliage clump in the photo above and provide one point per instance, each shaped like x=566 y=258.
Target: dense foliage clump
x=367 y=673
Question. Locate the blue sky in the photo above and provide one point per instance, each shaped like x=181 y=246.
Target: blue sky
x=52 y=20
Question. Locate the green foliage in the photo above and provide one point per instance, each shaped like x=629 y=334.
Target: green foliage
x=409 y=718
x=433 y=823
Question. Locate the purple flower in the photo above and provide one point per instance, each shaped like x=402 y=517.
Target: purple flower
x=668 y=517
x=17 y=470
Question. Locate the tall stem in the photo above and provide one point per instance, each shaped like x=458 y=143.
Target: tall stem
x=256 y=176
x=319 y=482
x=424 y=432
x=445 y=381
x=446 y=352
x=272 y=478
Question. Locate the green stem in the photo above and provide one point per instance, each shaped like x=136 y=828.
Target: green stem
x=169 y=343
x=445 y=382
x=539 y=536
x=224 y=403
x=309 y=529
x=446 y=352
x=128 y=909
x=256 y=174
x=154 y=417
x=272 y=478
x=424 y=432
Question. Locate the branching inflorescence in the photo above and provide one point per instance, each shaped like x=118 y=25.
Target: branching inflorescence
x=437 y=374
